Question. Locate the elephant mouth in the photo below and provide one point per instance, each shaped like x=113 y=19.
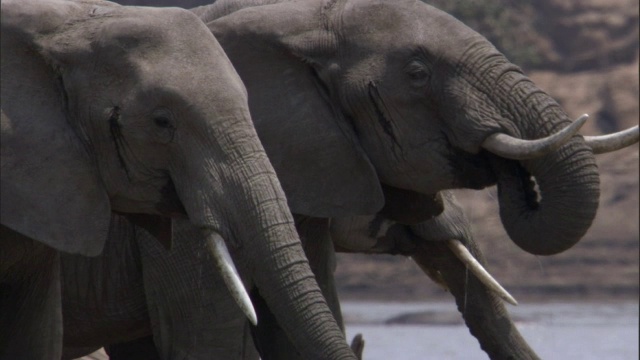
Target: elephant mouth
x=170 y=204
x=473 y=170
x=484 y=169
x=512 y=174
x=524 y=180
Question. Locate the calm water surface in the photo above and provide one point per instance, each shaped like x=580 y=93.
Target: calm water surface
x=554 y=331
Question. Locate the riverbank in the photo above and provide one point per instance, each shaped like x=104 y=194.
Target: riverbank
x=412 y=331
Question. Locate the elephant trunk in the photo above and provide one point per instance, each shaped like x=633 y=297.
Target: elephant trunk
x=483 y=312
x=281 y=272
x=254 y=220
x=555 y=216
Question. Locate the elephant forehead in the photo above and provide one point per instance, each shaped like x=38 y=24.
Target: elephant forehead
x=148 y=42
x=361 y=19
x=399 y=24
x=132 y=28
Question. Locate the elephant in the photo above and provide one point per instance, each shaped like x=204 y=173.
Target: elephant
x=358 y=101
x=404 y=108
x=113 y=116
x=355 y=99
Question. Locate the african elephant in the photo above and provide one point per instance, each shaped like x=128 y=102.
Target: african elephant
x=135 y=113
x=354 y=100
x=402 y=107
x=375 y=95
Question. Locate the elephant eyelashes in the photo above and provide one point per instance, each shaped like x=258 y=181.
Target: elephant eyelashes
x=418 y=72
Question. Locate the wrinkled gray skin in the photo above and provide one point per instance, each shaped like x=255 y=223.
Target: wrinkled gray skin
x=109 y=109
x=129 y=297
x=483 y=311
x=348 y=96
x=211 y=327
x=401 y=106
x=403 y=96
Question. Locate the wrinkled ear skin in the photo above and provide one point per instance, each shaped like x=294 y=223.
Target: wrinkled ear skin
x=313 y=148
x=50 y=188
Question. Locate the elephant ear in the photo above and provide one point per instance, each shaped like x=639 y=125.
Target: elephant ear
x=50 y=187
x=314 y=150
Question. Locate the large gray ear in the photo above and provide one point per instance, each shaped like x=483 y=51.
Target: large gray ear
x=314 y=150
x=50 y=187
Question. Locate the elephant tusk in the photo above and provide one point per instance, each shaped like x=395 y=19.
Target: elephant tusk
x=612 y=142
x=479 y=271
x=225 y=265
x=518 y=149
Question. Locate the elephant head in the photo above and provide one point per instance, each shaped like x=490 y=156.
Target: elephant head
x=402 y=94
x=109 y=109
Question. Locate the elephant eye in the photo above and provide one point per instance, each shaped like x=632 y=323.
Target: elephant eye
x=165 y=126
x=418 y=74
x=417 y=71
x=163 y=122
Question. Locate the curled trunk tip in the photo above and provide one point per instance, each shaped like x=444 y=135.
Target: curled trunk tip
x=556 y=218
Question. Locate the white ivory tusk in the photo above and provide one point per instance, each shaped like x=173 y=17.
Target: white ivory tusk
x=518 y=149
x=612 y=142
x=479 y=271
x=225 y=265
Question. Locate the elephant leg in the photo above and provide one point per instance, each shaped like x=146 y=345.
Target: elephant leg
x=318 y=247
x=30 y=305
x=190 y=309
x=483 y=311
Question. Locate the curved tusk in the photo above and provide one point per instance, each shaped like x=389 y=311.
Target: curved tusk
x=472 y=264
x=612 y=142
x=225 y=265
x=517 y=149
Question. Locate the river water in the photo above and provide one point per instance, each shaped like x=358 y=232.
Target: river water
x=412 y=331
